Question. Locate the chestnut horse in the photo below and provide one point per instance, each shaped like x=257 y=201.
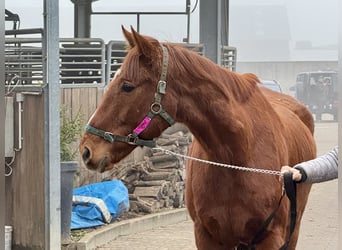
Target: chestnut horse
x=234 y=121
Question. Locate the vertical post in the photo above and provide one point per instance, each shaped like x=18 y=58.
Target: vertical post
x=340 y=121
x=214 y=31
x=2 y=125
x=188 y=14
x=52 y=136
x=82 y=18
x=224 y=20
x=208 y=28
x=138 y=22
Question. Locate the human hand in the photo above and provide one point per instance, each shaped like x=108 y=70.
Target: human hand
x=296 y=174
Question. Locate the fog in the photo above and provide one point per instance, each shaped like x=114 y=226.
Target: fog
x=266 y=33
x=301 y=24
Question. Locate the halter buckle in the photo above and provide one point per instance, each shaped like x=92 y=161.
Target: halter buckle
x=161 y=87
x=109 y=136
x=132 y=139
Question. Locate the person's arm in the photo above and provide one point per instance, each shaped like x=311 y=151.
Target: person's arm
x=320 y=169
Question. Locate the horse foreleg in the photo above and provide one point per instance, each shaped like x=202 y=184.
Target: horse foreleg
x=204 y=240
x=273 y=241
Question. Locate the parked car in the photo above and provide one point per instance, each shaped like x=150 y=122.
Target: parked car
x=272 y=84
x=318 y=90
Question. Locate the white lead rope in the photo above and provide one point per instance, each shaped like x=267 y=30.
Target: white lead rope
x=256 y=170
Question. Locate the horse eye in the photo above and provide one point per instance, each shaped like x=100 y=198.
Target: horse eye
x=127 y=87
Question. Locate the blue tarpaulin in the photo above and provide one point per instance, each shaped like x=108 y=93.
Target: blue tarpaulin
x=98 y=203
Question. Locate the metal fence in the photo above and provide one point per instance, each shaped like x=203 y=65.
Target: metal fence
x=229 y=57
x=116 y=52
x=24 y=61
x=84 y=62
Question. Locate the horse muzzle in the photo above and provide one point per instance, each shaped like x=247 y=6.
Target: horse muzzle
x=99 y=165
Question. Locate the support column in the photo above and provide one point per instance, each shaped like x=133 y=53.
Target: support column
x=214 y=22
x=2 y=125
x=51 y=130
x=82 y=18
x=340 y=120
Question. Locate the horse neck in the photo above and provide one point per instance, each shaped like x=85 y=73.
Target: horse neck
x=216 y=118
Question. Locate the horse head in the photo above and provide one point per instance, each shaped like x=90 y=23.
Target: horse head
x=134 y=109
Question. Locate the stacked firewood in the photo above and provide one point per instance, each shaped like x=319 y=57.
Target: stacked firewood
x=158 y=181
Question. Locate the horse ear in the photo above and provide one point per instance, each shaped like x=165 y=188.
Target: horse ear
x=145 y=46
x=129 y=37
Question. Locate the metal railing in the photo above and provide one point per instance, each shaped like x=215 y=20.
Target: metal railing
x=116 y=52
x=229 y=56
x=84 y=62
x=24 y=61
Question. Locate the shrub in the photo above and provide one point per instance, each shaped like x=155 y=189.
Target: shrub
x=70 y=131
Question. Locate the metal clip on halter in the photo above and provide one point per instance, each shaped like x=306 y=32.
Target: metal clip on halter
x=132 y=139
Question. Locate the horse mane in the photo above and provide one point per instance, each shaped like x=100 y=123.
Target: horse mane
x=190 y=65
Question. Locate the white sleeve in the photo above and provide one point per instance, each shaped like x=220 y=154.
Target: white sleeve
x=320 y=169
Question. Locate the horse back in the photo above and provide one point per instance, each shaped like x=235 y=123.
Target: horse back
x=292 y=104
x=297 y=124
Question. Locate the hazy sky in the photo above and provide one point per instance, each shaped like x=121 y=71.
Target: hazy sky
x=314 y=21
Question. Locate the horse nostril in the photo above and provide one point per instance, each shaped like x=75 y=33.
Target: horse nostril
x=86 y=155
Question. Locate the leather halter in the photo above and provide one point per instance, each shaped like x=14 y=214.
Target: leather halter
x=155 y=109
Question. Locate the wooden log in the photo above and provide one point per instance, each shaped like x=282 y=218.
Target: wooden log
x=144 y=205
x=177 y=140
x=126 y=169
x=153 y=191
x=175 y=128
x=185 y=141
x=171 y=147
x=117 y=172
x=130 y=188
x=177 y=134
x=159 y=176
x=149 y=183
x=162 y=203
x=165 y=188
x=167 y=165
x=162 y=158
x=152 y=203
x=133 y=207
x=140 y=207
x=132 y=177
x=178 y=201
x=168 y=141
x=161 y=170
x=168 y=202
x=132 y=197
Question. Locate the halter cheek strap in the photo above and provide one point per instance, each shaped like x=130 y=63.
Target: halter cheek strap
x=110 y=137
x=155 y=109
